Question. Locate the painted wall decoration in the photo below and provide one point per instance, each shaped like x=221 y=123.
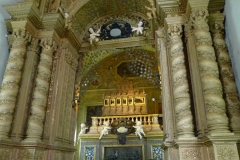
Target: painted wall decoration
x=90 y=153
x=157 y=153
x=96 y=80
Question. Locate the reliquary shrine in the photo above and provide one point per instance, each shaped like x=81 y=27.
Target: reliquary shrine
x=125 y=102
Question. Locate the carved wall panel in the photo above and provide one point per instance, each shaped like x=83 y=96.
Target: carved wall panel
x=6 y=153
x=191 y=153
x=25 y=154
x=226 y=152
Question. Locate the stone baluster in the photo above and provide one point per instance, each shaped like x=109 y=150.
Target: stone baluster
x=144 y=120
x=149 y=120
x=217 y=120
x=11 y=81
x=94 y=121
x=155 y=119
x=39 y=102
x=226 y=73
x=184 y=118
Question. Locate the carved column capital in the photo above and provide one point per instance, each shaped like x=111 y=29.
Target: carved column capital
x=174 y=33
x=48 y=44
x=174 y=30
x=198 y=18
x=21 y=37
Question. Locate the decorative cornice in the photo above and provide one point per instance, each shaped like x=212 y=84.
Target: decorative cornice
x=215 y=17
x=118 y=43
x=216 y=6
x=165 y=8
x=19 y=10
x=171 y=20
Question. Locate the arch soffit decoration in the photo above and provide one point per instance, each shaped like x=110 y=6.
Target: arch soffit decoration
x=94 y=57
x=88 y=14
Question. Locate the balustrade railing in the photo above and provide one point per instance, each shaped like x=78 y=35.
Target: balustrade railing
x=145 y=119
x=149 y=121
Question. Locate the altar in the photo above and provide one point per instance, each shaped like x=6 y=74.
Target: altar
x=124 y=130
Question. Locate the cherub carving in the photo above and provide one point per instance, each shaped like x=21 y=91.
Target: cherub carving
x=139 y=129
x=83 y=128
x=105 y=129
x=139 y=29
x=152 y=9
x=174 y=30
x=67 y=18
x=93 y=36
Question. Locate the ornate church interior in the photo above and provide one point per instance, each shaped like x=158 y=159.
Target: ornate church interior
x=118 y=80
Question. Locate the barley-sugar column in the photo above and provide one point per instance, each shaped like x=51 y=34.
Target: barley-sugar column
x=184 y=118
x=226 y=73
x=11 y=81
x=217 y=121
x=40 y=93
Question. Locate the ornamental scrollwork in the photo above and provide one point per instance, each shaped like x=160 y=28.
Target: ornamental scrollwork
x=226 y=152
x=191 y=153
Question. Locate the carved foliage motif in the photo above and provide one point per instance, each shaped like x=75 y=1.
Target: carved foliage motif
x=35 y=124
x=68 y=107
x=229 y=86
x=21 y=37
x=11 y=80
x=198 y=18
x=25 y=154
x=211 y=153
x=180 y=84
x=226 y=152
x=39 y=154
x=5 y=154
x=63 y=103
x=73 y=62
x=48 y=108
x=191 y=153
x=211 y=84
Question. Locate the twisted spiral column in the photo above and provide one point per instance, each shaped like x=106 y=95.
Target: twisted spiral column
x=217 y=120
x=40 y=93
x=227 y=76
x=11 y=81
x=184 y=118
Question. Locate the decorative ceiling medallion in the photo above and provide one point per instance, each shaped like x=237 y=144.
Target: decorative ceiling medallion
x=115 y=29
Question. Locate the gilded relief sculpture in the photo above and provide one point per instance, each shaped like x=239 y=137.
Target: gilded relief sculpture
x=152 y=10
